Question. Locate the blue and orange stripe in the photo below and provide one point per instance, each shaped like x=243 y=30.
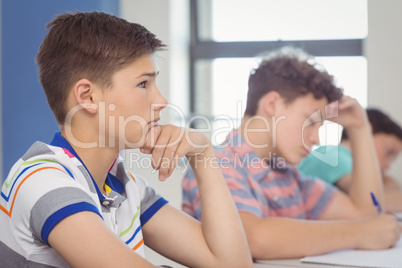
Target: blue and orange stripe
x=8 y=213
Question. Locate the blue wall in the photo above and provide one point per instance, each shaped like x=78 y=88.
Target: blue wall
x=26 y=116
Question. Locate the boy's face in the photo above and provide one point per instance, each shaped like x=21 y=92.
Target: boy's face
x=298 y=130
x=133 y=104
x=388 y=147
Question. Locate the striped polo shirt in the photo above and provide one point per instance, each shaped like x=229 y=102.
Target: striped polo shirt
x=274 y=189
x=50 y=183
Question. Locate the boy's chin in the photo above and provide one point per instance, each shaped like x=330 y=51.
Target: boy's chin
x=295 y=160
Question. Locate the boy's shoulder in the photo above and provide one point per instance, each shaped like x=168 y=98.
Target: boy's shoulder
x=42 y=152
x=43 y=168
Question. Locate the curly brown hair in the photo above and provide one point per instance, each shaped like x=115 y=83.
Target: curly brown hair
x=91 y=45
x=292 y=73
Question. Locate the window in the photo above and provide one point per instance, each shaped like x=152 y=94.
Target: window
x=227 y=35
x=263 y=20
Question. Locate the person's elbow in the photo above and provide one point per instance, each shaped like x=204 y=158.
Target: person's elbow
x=234 y=261
x=244 y=263
x=257 y=244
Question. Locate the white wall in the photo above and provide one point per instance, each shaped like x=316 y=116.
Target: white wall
x=383 y=49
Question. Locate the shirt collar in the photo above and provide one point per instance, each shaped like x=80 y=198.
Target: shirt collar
x=240 y=147
x=111 y=181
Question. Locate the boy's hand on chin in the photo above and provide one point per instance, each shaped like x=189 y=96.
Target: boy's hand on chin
x=150 y=139
x=169 y=143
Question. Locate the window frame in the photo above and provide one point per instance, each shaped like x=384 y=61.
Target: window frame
x=201 y=50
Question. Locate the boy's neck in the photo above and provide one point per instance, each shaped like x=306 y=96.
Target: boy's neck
x=98 y=160
x=255 y=132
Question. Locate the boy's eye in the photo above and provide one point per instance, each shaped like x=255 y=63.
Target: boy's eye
x=312 y=121
x=391 y=152
x=142 y=84
x=314 y=118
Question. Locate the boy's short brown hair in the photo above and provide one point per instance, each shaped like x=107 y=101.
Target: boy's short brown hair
x=88 y=45
x=292 y=73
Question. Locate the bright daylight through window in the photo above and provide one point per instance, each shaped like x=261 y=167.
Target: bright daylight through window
x=283 y=21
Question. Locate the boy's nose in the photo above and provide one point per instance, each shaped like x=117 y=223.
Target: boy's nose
x=159 y=106
x=161 y=103
x=313 y=137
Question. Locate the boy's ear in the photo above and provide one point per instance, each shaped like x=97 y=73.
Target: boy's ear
x=84 y=95
x=269 y=102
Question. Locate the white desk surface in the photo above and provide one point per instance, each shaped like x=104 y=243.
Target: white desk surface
x=291 y=263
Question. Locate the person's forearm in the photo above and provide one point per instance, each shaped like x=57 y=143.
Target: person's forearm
x=280 y=238
x=393 y=201
x=366 y=176
x=221 y=224
x=390 y=184
x=393 y=195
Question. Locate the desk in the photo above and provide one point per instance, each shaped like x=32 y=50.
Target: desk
x=292 y=263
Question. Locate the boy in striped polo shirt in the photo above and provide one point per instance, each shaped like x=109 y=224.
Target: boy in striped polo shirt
x=286 y=214
x=72 y=202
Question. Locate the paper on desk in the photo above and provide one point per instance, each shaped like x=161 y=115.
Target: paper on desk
x=389 y=258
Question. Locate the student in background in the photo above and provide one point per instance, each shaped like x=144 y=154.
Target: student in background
x=286 y=214
x=72 y=203
x=334 y=163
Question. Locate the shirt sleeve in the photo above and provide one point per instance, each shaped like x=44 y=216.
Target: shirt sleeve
x=151 y=201
x=46 y=194
x=317 y=195
x=237 y=181
x=191 y=197
x=329 y=163
x=246 y=197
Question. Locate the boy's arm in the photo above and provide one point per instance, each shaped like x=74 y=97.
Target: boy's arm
x=366 y=177
x=344 y=183
x=393 y=195
x=278 y=238
x=393 y=201
x=219 y=241
x=83 y=240
x=390 y=185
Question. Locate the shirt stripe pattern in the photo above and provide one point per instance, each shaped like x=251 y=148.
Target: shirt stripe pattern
x=50 y=183
x=265 y=188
